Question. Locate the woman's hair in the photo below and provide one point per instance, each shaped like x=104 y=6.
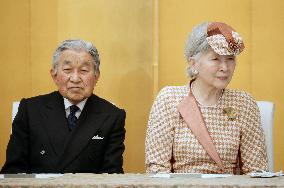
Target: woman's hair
x=195 y=44
x=77 y=45
x=196 y=41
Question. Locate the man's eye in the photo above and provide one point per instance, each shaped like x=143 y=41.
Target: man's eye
x=67 y=70
x=85 y=70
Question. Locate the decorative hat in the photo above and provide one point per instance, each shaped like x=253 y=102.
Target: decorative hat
x=223 y=39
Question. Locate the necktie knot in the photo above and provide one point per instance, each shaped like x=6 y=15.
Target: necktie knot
x=73 y=109
x=72 y=119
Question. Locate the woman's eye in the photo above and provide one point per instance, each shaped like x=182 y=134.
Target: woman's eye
x=231 y=59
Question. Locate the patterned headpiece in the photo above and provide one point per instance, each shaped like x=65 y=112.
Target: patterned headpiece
x=223 y=39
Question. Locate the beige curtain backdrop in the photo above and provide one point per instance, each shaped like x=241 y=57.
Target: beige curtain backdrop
x=141 y=47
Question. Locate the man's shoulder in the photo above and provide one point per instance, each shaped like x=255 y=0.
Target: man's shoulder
x=43 y=97
x=104 y=105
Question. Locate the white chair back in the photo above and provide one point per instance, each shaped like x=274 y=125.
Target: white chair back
x=267 y=119
x=15 y=109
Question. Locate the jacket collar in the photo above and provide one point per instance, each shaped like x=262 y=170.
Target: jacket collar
x=190 y=112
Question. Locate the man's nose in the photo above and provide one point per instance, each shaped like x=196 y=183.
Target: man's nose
x=75 y=77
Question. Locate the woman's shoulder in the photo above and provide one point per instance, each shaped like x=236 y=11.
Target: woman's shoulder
x=174 y=91
x=239 y=96
x=172 y=95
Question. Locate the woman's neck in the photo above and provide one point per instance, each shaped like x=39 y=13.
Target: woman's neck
x=205 y=95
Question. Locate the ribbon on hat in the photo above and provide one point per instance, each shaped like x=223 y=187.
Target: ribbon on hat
x=223 y=39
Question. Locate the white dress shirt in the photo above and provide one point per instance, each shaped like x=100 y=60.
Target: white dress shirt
x=80 y=105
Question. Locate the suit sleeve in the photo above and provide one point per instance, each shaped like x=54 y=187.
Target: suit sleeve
x=113 y=159
x=17 y=149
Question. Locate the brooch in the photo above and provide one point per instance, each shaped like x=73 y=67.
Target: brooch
x=230 y=112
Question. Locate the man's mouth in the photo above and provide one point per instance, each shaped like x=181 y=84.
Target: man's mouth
x=75 y=88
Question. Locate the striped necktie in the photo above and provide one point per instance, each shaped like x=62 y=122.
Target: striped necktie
x=72 y=119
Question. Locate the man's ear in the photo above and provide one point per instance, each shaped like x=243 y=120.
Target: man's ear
x=97 y=75
x=53 y=75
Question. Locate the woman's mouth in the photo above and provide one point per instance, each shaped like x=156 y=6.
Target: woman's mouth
x=222 y=77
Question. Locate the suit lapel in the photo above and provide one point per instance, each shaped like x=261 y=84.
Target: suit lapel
x=55 y=122
x=89 y=122
x=191 y=114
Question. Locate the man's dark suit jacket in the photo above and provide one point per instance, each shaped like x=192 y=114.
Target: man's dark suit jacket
x=41 y=142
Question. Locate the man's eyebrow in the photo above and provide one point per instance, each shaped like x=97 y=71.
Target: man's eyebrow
x=87 y=63
x=66 y=62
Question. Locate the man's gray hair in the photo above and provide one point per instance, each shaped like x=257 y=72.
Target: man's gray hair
x=77 y=45
x=195 y=44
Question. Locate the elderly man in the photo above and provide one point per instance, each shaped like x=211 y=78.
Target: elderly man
x=70 y=130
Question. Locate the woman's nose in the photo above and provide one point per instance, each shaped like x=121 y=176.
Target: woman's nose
x=224 y=65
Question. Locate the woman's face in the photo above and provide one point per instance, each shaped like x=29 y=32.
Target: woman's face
x=215 y=70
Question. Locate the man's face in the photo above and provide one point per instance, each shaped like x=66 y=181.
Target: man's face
x=75 y=75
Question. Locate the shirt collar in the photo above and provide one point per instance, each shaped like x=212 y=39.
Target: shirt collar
x=81 y=104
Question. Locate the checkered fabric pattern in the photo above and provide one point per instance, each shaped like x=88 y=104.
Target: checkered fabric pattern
x=172 y=147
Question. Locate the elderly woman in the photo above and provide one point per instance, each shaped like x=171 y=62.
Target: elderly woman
x=203 y=127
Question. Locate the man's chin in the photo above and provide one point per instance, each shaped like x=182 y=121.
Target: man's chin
x=75 y=99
